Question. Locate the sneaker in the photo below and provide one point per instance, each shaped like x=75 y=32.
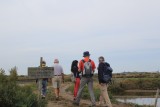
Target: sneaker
x=43 y=97
x=57 y=98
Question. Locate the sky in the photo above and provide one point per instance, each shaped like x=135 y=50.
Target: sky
x=125 y=32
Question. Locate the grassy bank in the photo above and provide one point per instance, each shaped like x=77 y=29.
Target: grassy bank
x=119 y=85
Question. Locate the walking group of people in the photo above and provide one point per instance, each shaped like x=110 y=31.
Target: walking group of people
x=83 y=72
x=87 y=68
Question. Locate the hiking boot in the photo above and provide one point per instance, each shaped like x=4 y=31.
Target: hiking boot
x=74 y=99
x=76 y=104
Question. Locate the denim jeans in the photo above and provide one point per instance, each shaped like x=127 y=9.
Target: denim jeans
x=44 y=87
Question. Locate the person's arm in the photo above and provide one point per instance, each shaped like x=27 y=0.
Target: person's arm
x=63 y=77
x=71 y=69
x=100 y=74
x=36 y=80
x=93 y=66
x=80 y=66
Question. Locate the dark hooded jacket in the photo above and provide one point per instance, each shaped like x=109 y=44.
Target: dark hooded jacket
x=101 y=70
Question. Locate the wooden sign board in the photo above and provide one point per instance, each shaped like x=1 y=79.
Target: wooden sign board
x=40 y=72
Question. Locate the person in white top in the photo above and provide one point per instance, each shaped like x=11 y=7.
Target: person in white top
x=58 y=77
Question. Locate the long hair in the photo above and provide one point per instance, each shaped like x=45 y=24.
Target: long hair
x=74 y=63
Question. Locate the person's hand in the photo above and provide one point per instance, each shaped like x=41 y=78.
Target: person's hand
x=36 y=81
x=50 y=80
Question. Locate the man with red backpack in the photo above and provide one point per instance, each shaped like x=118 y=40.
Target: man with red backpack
x=87 y=67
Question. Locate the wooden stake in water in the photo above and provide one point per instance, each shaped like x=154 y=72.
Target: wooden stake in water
x=157 y=94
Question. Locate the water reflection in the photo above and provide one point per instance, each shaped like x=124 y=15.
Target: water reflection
x=139 y=101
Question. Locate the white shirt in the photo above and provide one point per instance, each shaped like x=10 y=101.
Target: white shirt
x=58 y=70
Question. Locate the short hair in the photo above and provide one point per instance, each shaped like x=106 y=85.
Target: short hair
x=43 y=62
x=101 y=58
x=56 y=61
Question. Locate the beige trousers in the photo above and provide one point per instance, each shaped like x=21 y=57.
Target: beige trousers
x=104 y=95
x=56 y=81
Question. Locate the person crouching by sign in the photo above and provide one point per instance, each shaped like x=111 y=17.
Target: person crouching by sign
x=58 y=77
x=44 y=83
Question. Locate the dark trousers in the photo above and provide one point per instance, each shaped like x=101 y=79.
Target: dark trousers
x=83 y=82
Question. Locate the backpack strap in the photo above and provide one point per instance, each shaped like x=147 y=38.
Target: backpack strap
x=83 y=60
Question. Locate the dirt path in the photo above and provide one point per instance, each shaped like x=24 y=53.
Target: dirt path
x=66 y=100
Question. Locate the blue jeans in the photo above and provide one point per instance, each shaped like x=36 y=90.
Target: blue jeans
x=44 y=87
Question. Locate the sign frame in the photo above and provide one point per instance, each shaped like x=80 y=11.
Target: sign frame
x=40 y=72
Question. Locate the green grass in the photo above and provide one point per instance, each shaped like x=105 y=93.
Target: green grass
x=136 y=83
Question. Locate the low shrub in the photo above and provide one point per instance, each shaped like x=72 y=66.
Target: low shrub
x=13 y=95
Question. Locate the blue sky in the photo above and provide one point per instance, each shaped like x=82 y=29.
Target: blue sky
x=125 y=32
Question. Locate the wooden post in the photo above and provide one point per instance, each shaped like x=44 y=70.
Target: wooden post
x=41 y=59
x=157 y=94
x=40 y=82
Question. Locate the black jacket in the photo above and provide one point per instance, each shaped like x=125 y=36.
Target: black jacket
x=75 y=72
x=101 y=70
